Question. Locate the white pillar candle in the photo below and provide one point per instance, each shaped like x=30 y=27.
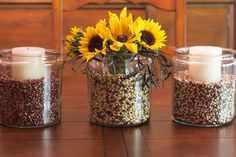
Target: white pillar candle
x=27 y=63
x=205 y=63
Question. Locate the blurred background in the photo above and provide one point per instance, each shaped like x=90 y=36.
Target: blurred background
x=45 y=23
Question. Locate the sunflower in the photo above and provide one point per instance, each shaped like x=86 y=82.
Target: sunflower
x=72 y=42
x=122 y=33
x=152 y=36
x=69 y=47
x=93 y=41
x=74 y=30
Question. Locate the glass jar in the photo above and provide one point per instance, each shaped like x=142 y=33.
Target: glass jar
x=30 y=89
x=118 y=95
x=203 y=88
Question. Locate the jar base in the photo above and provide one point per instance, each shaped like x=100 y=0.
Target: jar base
x=201 y=126
x=120 y=125
x=31 y=127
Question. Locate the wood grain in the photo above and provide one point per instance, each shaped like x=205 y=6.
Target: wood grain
x=57 y=24
x=234 y=24
x=135 y=143
x=208 y=25
x=180 y=30
x=170 y=130
x=26 y=1
x=207 y=21
x=163 y=4
x=25 y=28
x=76 y=136
x=216 y=147
x=64 y=131
x=52 y=148
x=209 y=1
x=31 y=23
x=114 y=144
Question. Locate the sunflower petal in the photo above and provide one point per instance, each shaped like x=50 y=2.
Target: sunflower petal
x=74 y=30
x=123 y=13
x=116 y=46
x=114 y=23
x=132 y=47
x=70 y=38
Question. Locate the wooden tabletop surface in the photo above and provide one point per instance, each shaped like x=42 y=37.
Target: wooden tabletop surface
x=76 y=137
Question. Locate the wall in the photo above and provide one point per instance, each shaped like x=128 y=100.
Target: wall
x=210 y=22
x=26 y=23
x=30 y=22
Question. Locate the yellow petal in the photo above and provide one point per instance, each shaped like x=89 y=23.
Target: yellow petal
x=75 y=30
x=114 y=23
x=115 y=47
x=132 y=47
x=70 y=38
x=123 y=13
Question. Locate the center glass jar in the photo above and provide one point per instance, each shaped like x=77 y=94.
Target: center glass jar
x=30 y=87
x=203 y=86
x=118 y=95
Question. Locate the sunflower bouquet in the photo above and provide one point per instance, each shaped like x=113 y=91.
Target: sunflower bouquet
x=120 y=42
x=122 y=58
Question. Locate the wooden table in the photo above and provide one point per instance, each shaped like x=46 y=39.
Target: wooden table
x=76 y=137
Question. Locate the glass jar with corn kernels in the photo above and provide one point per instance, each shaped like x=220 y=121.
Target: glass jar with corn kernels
x=30 y=87
x=203 y=86
x=117 y=95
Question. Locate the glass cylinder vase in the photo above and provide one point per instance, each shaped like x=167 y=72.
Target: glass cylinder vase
x=203 y=87
x=118 y=95
x=30 y=89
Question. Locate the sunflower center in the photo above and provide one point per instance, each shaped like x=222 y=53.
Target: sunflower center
x=95 y=43
x=147 y=37
x=122 y=38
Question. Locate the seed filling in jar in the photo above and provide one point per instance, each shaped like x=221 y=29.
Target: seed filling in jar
x=203 y=86
x=30 y=89
x=116 y=100
x=203 y=103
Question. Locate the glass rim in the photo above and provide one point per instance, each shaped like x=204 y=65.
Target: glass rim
x=226 y=53
x=50 y=54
